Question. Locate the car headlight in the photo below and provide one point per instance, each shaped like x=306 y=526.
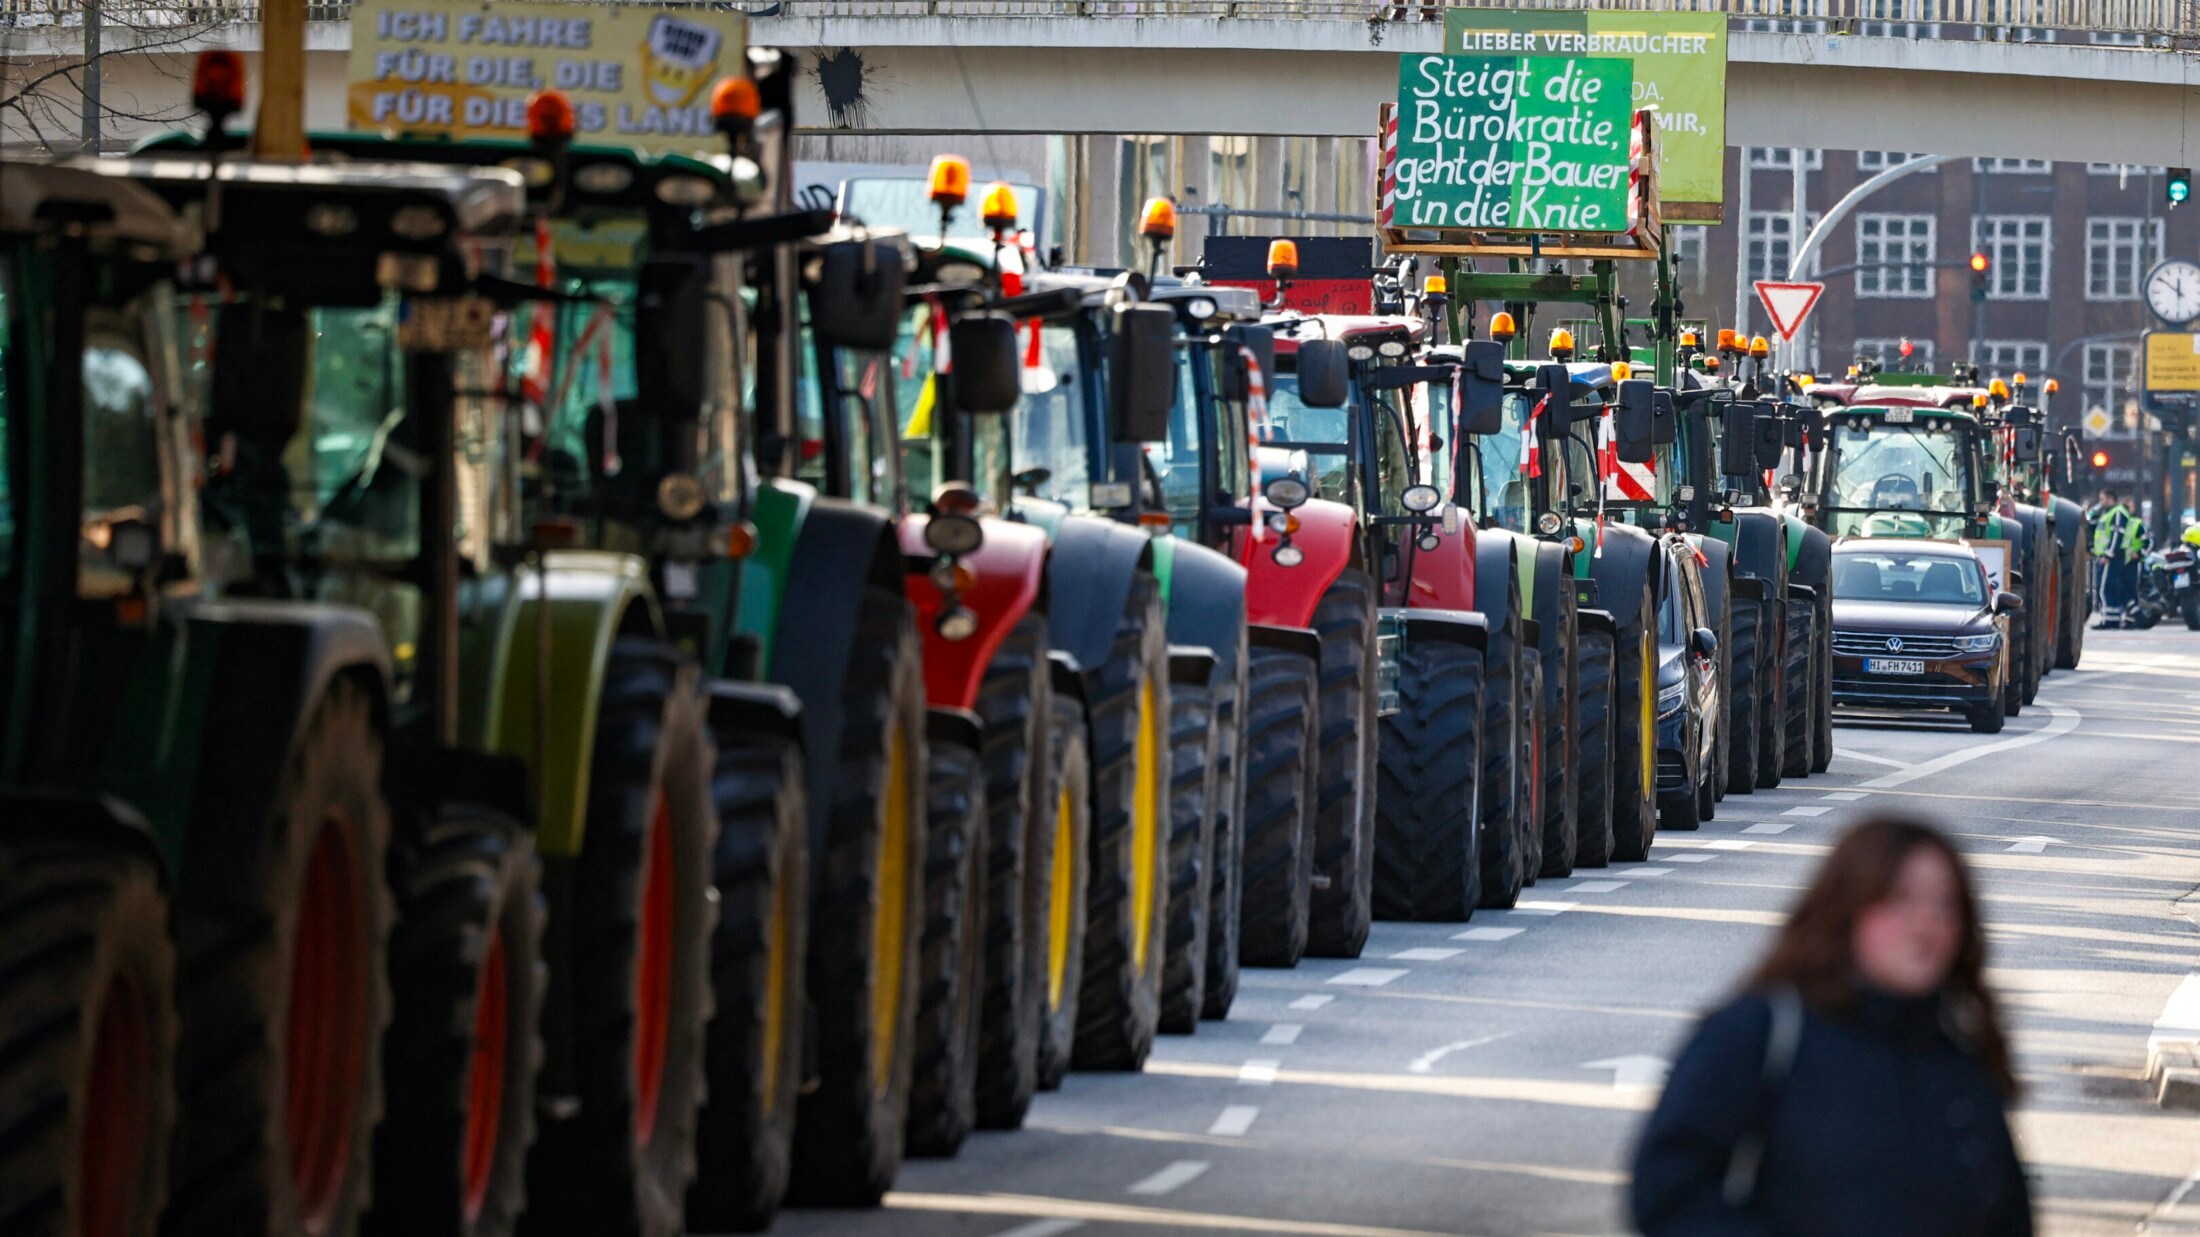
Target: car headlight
x=1977 y=644
x=1672 y=698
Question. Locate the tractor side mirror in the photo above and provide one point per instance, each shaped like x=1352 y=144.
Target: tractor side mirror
x=1481 y=387
x=1991 y=491
x=672 y=378
x=1791 y=428
x=987 y=373
x=2028 y=445
x=1325 y=374
x=1261 y=341
x=1635 y=421
x=261 y=357
x=855 y=300
x=1665 y=424
x=1557 y=383
x=1771 y=439
x=1141 y=371
x=1738 y=439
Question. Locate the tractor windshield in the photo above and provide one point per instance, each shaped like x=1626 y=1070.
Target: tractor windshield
x=1891 y=478
x=926 y=457
x=1049 y=432
x=1324 y=434
x=1176 y=461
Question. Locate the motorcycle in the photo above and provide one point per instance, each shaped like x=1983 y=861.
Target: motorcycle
x=2180 y=563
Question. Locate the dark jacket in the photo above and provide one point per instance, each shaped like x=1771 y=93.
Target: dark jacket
x=1884 y=1126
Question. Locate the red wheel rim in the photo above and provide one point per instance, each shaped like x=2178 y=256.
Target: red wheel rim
x=328 y=1017
x=653 y=974
x=485 y=1090
x=118 y=1109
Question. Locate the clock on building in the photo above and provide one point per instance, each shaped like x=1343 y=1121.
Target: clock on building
x=2173 y=291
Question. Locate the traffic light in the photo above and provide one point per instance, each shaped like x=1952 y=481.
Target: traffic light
x=2180 y=185
x=1980 y=266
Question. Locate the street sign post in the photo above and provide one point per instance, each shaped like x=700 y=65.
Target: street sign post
x=1788 y=303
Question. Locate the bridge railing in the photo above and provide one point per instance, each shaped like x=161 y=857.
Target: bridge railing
x=2143 y=22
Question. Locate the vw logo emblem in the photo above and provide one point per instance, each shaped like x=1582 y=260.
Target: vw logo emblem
x=1894 y=644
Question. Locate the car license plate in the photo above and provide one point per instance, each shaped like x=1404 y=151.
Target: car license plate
x=1893 y=665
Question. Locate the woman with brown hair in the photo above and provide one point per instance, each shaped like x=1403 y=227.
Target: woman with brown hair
x=1860 y=1084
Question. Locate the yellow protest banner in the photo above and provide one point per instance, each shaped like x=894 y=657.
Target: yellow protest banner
x=637 y=77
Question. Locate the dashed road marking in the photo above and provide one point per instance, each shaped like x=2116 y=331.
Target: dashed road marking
x=1041 y=1228
x=1542 y=908
x=1811 y=810
x=1258 y=1073
x=1737 y=843
x=1877 y=760
x=1595 y=886
x=1425 y=954
x=1686 y=858
x=1313 y=1000
x=1367 y=976
x=1170 y=1178
x=1234 y=1121
x=1843 y=796
x=1770 y=826
x=1488 y=934
x=1282 y=1033
x=1646 y=871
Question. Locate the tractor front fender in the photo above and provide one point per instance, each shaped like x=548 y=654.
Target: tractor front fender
x=1089 y=579
x=1761 y=540
x=1449 y=576
x=40 y=812
x=1008 y=577
x=779 y=508
x=1300 y=640
x=741 y=710
x=1812 y=564
x=1206 y=602
x=1287 y=596
x=1546 y=592
x=1497 y=561
x=1717 y=572
x=1450 y=626
x=1623 y=571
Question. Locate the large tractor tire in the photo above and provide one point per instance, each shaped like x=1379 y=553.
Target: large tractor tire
x=465 y=1038
x=636 y=985
x=1126 y=897
x=1344 y=823
x=1821 y=752
x=1772 y=663
x=1593 y=656
x=1196 y=741
x=1742 y=697
x=753 y=1048
x=1560 y=722
x=1060 y=870
x=1226 y=888
x=2077 y=609
x=1634 y=734
x=1281 y=763
x=943 y=1080
x=87 y=1039
x=280 y=1073
x=1503 y=786
x=1800 y=687
x=1015 y=705
x=1428 y=857
x=1531 y=764
x=866 y=907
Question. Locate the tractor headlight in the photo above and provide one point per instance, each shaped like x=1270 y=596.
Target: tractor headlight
x=1421 y=498
x=1549 y=523
x=1288 y=492
x=950 y=533
x=1289 y=556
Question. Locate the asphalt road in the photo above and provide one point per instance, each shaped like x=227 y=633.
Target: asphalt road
x=1488 y=1078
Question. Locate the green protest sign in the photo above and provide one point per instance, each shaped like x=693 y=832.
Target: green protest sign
x=1529 y=143
x=1679 y=69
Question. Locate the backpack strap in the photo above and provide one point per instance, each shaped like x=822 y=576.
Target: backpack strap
x=1740 y=1188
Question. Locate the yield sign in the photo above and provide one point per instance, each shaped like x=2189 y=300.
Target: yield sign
x=1788 y=303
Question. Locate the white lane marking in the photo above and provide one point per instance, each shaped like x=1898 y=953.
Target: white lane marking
x=2061 y=721
x=1877 y=760
x=1170 y=1178
x=1427 y=1061
x=1686 y=858
x=1425 y=954
x=1258 y=1073
x=1771 y=826
x=1542 y=908
x=2030 y=846
x=1368 y=976
x=1806 y=811
x=1843 y=796
x=1312 y=1001
x=1234 y=1121
x=1282 y=1033
x=1632 y=1073
x=1645 y=871
x=1595 y=886
x=1041 y=1228
x=1735 y=843
x=1488 y=934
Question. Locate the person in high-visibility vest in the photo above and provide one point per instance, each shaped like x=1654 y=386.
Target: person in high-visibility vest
x=2119 y=540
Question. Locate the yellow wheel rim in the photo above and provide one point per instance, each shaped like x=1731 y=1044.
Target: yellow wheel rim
x=1145 y=823
x=1649 y=720
x=775 y=985
x=1063 y=890
x=889 y=927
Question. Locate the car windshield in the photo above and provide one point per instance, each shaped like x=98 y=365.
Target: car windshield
x=1881 y=467
x=1933 y=579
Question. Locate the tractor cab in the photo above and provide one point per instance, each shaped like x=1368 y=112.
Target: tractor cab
x=1909 y=468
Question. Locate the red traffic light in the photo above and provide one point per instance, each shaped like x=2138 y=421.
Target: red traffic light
x=2100 y=459
x=1979 y=262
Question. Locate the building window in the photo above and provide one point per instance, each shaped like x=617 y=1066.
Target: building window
x=1783 y=158
x=2118 y=254
x=1901 y=19
x=1888 y=352
x=2018 y=247
x=1894 y=255
x=2013 y=167
x=1881 y=160
x=2006 y=358
x=2109 y=370
x=2119 y=38
x=2123 y=172
x=1688 y=252
x=1772 y=244
x=1781 y=25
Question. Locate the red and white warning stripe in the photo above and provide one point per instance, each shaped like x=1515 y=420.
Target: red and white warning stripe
x=1623 y=481
x=1388 y=176
x=1531 y=450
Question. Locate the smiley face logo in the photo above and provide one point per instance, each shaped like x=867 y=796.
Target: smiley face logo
x=679 y=58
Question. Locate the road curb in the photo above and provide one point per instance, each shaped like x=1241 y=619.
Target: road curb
x=2173 y=1050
